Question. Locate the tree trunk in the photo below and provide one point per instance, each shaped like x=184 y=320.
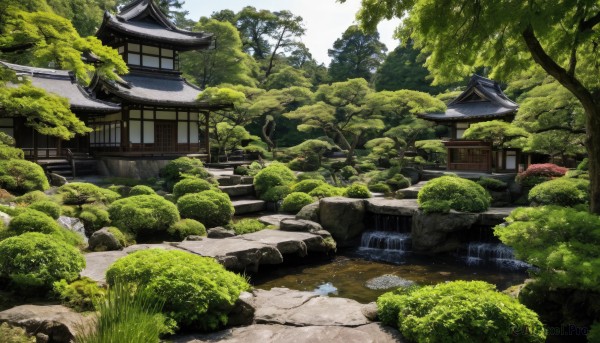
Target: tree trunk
x=267 y=131
x=349 y=158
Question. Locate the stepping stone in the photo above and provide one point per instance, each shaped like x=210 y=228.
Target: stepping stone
x=275 y=219
x=248 y=206
x=413 y=191
x=238 y=190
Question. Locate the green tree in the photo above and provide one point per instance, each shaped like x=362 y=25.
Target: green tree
x=85 y=15
x=301 y=58
x=502 y=134
x=287 y=77
x=226 y=63
x=560 y=37
x=228 y=137
x=355 y=55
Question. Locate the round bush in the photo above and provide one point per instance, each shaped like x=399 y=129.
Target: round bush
x=174 y=171
x=459 y=311
x=241 y=170
x=187 y=227
x=94 y=217
x=398 y=181
x=141 y=190
x=380 y=187
x=124 y=240
x=492 y=184
x=347 y=172
x=464 y=195
x=311 y=176
x=295 y=201
x=31 y=197
x=143 y=214
x=538 y=173
x=325 y=191
x=46 y=206
x=211 y=208
x=198 y=292
x=79 y=193
x=80 y=295
x=305 y=186
x=32 y=220
x=276 y=174
x=247 y=225
x=20 y=176
x=358 y=190
x=35 y=261
x=275 y=194
x=190 y=185
x=561 y=192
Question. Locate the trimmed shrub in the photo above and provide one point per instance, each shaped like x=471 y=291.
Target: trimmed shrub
x=276 y=174
x=347 y=172
x=366 y=167
x=464 y=195
x=538 y=173
x=275 y=194
x=20 y=176
x=31 y=197
x=247 y=225
x=94 y=217
x=325 y=191
x=124 y=239
x=310 y=162
x=176 y=169
x=358 y=190
x=34 y=261
x=492 y=184
x=584 y=164
x=380 y=187
x=294 y=202
x=198 y=292
x=143 y=215
x=306 y=186
x=81 y=295
x=123 y=191
x=190 y=185
x=186 y=227
x=31 y=220
x=211 y=208
x=141 y=190
x=398 y=181
x=79 y=193
x=311 y=176
x=459 y=311
x=46 y=206
x=241 y=170
x=561 y=192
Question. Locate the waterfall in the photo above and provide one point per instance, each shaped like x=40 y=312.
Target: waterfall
x=384 y=240
x=389 y=240
x=479 y=253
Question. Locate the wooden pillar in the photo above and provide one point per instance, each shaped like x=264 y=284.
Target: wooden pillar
x=206 y=136
x=35 y=145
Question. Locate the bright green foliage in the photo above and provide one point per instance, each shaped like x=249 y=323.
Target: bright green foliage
x=562 y=242
x=294 y=202
x=211 y=208
x=7 y=149
x=347 y=172
x=310 y=176
x=141 y=190
x=94 y=217
x=308 y=185
x=20 y=176
x=128 y=314
x=584 y=165
x=9 y=334
x=309 y=162
x=309 y=153
x=275 y=174
x=228 y=137
x=79 y=193
x=442 y=206
x=492 y=184
x=143 y=215
x=124 y=239
x=186 y=227
x=561 y=192
x=358 y=190
x=197 y=291
x=287 y=77
x=31 y=220
x=80 y=295
x=175 y=170
x=464 y=195
x=275 y=194
x=190 y=185
x=226 y=63
x=247 y=225
x=48 y=207
x=35 y=261
x=31 y=197
x=500 y=133
x=459 y=311
x=380 y=187
x=398 y=181
x=325 y=191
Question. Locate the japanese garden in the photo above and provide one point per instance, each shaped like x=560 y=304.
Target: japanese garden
x=171 y=178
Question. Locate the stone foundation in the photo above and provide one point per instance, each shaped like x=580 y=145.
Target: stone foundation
x=131 y=167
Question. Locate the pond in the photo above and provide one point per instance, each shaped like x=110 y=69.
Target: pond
x=348 y=273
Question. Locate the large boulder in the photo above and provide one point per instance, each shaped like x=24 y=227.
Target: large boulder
x=242 y=312
x=104 y=240
x=58 y=323
x=73 y=224
x=434 y=233
x=57 y=180
x=412 y=174
x=300 y=225
x=309 y=212
x=344 y=218
x=219 y=232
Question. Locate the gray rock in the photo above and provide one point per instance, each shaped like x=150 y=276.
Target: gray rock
x=104 y=240
x=431 y=233
x=411 y=173
x=219 y=232
x=392 y=207
x=248 y=206
x=343 y=218
x=274 y=219
x=97 y=263
x=5 y=218
x=60 y=324
x=370 y=311
x=300 y=225
x=247 y=180
x=57 y=180
x=500 y=198
x=242 y=312
x=309 y=212
x=194 y=238
x=238 y=190
x=288 y=242
x=388 y=281
x=73 y=224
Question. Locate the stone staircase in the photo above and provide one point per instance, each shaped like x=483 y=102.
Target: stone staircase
x=78 y=164
x=241 y=191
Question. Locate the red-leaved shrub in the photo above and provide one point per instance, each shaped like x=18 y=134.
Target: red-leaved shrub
x=538 y=173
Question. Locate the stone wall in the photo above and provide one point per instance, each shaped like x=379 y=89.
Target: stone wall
x=131 y=168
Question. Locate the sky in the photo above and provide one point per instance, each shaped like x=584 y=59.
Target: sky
x=325 y=20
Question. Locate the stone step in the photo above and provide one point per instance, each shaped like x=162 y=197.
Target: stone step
x=413 y=191
x=238 y=190
x=248 y=206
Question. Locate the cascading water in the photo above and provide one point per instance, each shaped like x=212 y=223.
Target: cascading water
x=389 y=239
x=479 y=253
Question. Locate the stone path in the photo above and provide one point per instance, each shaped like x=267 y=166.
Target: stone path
x=248 y=206
x=275 y=219
x=413 y=191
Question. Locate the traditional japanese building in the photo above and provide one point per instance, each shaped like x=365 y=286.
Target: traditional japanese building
x=483 y=100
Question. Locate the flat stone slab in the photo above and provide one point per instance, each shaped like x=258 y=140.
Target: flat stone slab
x=238 y=190
x=413 y=191
x=495 y=215
x=370 y=333
x=287 y=242
x=275 y=219
x=393 y=207
x=248 y=206
x=96 y=264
